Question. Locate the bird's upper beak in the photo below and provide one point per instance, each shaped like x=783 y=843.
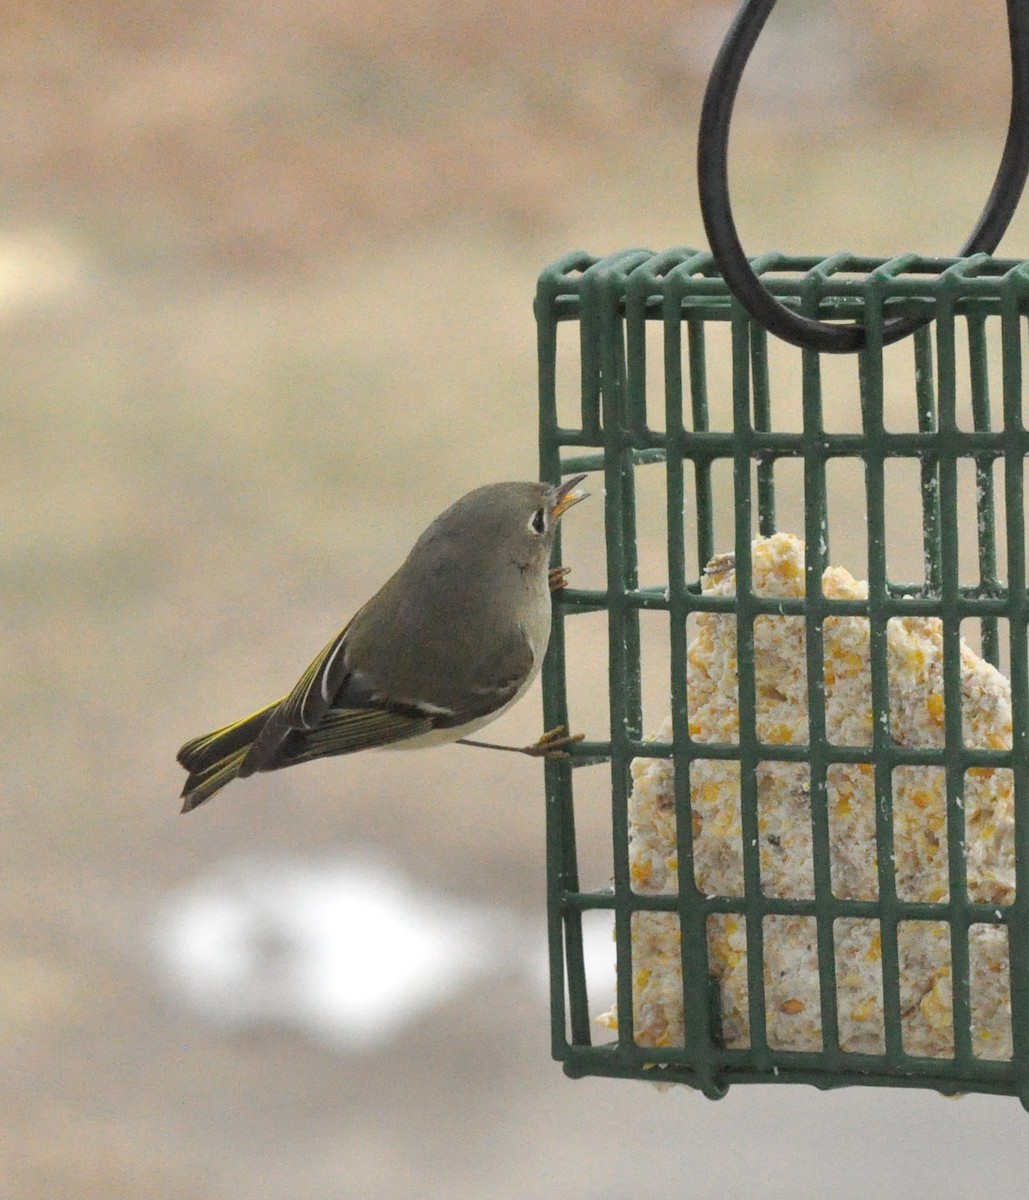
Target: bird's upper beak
x=566 y=495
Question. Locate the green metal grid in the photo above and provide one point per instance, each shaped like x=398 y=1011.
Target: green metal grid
x=612 y=299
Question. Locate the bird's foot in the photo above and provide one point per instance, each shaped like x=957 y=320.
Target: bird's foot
x=557 y=577
x=553 y=744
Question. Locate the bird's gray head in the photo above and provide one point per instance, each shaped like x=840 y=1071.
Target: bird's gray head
x=505 y=523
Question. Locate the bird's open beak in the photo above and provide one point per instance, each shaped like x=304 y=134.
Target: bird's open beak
x=566 y=495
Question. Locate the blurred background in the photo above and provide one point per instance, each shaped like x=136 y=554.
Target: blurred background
x=266 y=275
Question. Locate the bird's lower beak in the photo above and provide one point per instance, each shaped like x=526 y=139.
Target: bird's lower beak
x=566 y=495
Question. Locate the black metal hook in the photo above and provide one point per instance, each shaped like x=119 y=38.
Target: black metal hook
x=713 y=177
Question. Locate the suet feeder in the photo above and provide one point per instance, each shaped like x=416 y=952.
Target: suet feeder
x=775 y=964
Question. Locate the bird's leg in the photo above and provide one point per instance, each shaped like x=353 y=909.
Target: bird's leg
x=551 y=745
x=557 y=577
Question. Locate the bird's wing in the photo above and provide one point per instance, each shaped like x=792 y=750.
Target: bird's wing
x=345 y=730
x=316 y=689
x=339 y=710
x=495 y=682
x=304 y=707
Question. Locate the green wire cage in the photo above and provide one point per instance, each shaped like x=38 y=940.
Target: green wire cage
x=947 y=405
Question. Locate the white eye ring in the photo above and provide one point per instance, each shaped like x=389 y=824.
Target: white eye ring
x=538 y=521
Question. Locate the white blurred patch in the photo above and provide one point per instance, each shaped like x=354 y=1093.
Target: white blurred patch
x=348 y=950
x=599 y=958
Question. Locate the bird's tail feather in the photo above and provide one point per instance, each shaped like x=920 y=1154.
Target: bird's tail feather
x=201 y=753
x=202 y=785
x=214 y=759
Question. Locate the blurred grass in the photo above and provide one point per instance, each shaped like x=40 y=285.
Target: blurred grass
x=265 y=308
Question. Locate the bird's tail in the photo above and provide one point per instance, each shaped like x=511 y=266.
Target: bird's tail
x=214 y=759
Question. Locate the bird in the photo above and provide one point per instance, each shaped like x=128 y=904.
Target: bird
x=449 y=642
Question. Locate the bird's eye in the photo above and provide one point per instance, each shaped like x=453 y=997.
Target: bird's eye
x=538 y=524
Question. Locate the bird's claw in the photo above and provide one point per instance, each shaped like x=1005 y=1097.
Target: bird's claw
x=557 y=578
x=552 y=744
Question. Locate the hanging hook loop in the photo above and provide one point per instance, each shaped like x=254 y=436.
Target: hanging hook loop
x=716 y=209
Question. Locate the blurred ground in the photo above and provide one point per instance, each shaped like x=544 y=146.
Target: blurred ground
x=265 y=308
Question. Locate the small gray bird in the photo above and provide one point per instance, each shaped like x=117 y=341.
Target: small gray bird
x=445 y=646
